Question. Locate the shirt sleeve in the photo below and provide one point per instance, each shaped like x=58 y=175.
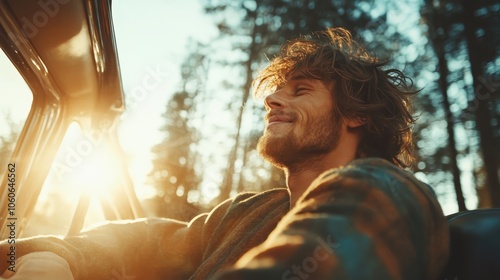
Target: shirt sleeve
x=145 y=248
x=368 y=220
x=40 y=266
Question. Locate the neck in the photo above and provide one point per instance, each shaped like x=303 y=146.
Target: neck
x=300 y=176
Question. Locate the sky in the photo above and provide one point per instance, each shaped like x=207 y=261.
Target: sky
x=152 y=39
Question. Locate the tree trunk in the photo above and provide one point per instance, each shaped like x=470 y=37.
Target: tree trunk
x=227 y=184
x=450 y=126
x=481 y=96
x=438 y=39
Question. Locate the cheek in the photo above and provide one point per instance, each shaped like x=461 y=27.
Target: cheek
x=304 y=128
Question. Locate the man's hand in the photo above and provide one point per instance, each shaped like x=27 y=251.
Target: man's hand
x=40 y=266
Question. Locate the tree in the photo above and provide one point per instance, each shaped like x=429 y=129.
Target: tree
x=439 y=30
x=175 y=174
x=482 y=40
x=254 y=30
x=456 y=30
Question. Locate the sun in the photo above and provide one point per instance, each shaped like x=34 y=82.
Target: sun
x=94 y=173
x=87 y=165
x=97 y=174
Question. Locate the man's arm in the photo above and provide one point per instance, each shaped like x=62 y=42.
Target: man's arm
x=40 y=265
x=369 y=220
x=145 y=249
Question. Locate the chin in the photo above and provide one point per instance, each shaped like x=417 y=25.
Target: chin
x=275 y=150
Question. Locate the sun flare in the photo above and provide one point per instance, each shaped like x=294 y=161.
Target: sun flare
x=91 y=169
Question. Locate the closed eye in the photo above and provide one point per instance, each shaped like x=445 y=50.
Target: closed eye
x=301 y=91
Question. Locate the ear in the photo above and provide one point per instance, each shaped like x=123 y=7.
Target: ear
x=356 y=122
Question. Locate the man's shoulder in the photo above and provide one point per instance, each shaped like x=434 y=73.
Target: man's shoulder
x=375 y=172
x=372 y=163
x=275 y=194
x=367 y=168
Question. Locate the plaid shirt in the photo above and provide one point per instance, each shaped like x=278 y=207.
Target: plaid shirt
x=367 y=220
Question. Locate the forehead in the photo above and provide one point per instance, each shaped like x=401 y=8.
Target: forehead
x=298 y=78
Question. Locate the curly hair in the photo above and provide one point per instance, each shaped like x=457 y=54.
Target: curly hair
x=362 y=89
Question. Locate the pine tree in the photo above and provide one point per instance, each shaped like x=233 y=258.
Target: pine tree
x=175 y=173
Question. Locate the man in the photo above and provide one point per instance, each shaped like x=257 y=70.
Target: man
x=339 y=127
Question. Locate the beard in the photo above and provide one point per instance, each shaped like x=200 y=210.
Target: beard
x=286 y=150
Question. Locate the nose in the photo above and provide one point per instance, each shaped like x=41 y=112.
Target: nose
x=274 y=101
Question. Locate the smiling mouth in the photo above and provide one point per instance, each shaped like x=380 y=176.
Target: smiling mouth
x=278 y=119
x=277 y=122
